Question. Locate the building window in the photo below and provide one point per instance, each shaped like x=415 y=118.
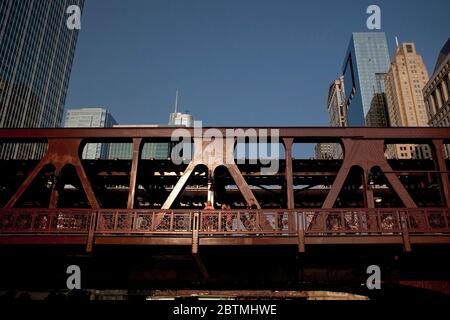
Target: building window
x=448 y=84
x=435 y=102
x=441 y=95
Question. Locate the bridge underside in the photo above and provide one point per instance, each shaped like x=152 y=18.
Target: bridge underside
x=151 y=270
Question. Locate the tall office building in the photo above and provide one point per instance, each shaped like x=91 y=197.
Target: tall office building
x=378 y=113
x=36 y=53
x=337 y=109
x=91 y=118
x=367 y=55
x=152 y=150
x=181 y=119
x=324 y=151
x=404 y=82
x=437 y=93
x=337 y=112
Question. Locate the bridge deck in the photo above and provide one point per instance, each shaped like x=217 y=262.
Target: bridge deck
x=209 y=228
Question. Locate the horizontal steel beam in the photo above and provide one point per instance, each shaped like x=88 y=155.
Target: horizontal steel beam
x=298 y=133
x=251 y=240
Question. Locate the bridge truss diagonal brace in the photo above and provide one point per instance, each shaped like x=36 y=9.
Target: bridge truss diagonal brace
x=24 y=186
x=366 y=154
x=179 y=186
x=289 y=175
x=59 y=153
x=137 y=145
x=212 y=155
x=242 y=184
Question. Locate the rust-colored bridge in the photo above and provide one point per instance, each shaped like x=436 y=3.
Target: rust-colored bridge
x=365 y=198
x=244 y=227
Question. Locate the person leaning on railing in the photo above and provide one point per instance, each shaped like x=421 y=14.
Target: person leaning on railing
x=250 y=219
x=207 y=218
x=228 y=216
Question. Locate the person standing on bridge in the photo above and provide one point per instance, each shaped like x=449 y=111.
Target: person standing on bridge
x=252 y=205
x=249 y=220
x=209 y=206
x=227 y=216
x=208 y=219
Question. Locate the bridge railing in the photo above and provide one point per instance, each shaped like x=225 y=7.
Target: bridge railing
x=20 y=220
x=267 y=222
x=144 y=221
x=250 y=222
x=432 y=221
x=352 y=221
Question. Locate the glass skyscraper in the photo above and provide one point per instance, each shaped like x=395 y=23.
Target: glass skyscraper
x=36 y=53
x=91 y=118
x=367 y=56
x=378 y=114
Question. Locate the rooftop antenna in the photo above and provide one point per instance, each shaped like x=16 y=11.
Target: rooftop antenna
x=396 y=41
x=176 y=102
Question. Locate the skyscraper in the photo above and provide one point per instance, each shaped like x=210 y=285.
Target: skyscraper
x=337 y=111
x=180 y=119
x=36 y=53
x=437 y=93
x=366 y=56
x=378 y=113
x=152 y=150
x=91 y=118
x=324 y=151
x=404 y=82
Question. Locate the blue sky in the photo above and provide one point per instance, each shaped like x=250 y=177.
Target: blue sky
x=235 y=62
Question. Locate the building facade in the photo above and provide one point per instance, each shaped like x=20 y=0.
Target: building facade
x=378 y=114
x=181 y=119
x=91 y=118
x=324 y=151
x=404 y=82
x=150 y=150
x=437 y=92
x=367 y=55
x=337 y=112
x=36 y=54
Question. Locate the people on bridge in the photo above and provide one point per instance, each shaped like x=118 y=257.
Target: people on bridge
x=249 y=220
x=208 y=219
x=227 y=217
x=252 y=204
x=209 y=206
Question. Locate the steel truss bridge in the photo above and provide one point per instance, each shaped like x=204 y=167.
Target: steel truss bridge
x=363 y=200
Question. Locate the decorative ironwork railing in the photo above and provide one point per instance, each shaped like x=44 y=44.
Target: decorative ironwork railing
x=137 y=221
x=45 y=220
x=352 y=221
x=251 y=222
x=266 y=222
